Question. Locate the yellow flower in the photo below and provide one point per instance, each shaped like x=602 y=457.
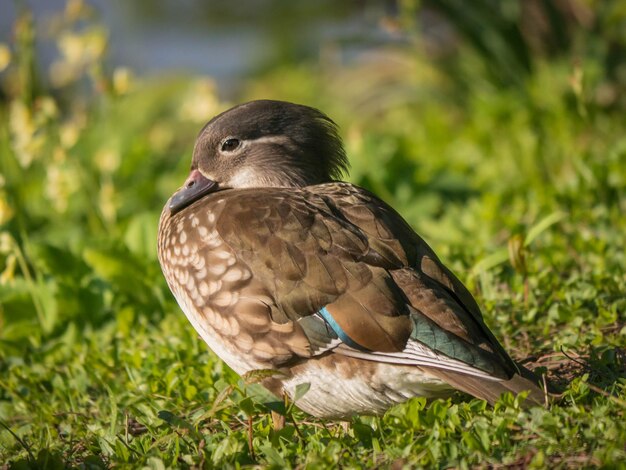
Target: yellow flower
x=47 y=108
x=108 y=201
x=107 y=160
x=5 y=56
x=22 y=130
x=6 y=211
x=201 y=102
x=61 y=183
x=122 y=80
x=68 y=134
x=6 y=243
x=9 y=271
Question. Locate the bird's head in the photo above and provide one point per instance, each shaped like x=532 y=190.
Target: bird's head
x=263 y=143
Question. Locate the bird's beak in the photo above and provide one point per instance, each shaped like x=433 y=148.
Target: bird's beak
x=196 y=186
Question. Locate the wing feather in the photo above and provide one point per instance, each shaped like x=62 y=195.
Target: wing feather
x=339 y=248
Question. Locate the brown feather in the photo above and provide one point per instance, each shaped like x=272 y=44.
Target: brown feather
x=491 y=390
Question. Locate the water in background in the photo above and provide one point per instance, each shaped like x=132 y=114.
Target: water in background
x=227 y=40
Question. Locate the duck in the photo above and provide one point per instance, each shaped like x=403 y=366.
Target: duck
x=281 y=266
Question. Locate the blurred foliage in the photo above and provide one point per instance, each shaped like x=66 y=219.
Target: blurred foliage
x=510 y=36
x=503 y=144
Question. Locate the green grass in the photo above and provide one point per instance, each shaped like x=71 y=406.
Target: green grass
x=520 y=189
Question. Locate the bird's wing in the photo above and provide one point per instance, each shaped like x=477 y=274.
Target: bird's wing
x=349 y=274
x=384 y=226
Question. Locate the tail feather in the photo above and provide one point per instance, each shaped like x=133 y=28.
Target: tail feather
x=490 y=390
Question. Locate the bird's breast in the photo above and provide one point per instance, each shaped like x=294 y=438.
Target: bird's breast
x=205 y=278
x=217 y=291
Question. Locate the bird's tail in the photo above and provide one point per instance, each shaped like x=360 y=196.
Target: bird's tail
x=490 y=390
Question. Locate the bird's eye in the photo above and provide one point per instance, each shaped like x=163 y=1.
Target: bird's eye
x=229 y=145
